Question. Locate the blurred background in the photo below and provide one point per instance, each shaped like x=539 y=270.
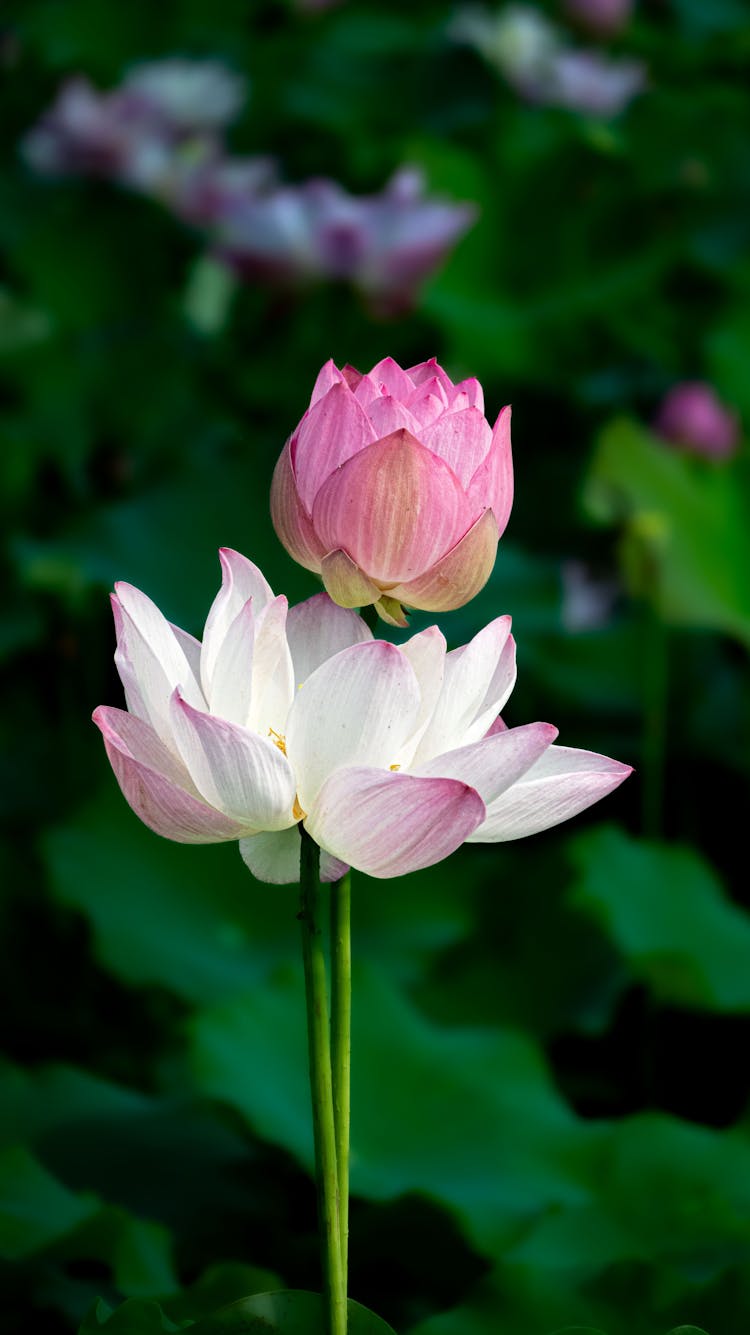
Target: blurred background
x=199 y=204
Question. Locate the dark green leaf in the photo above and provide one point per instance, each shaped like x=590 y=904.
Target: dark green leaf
x=135 y=1317
x=289 y=1312
x=667 y=912
x=444 y=1112
x=35 y=1209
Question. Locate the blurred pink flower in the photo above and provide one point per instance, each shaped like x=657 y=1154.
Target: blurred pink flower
x=385 y=244
x=533 y=56
x=394 y=487
x=390 y=756
x=162 y=119
x=588 y=81
x=159 y=133
x=602 y=17
x=693 y=416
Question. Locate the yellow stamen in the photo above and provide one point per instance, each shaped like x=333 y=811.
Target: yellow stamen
x=297 y=811
x=278 y=740
x=394 y=767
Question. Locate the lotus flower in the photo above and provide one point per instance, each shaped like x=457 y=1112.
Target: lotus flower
x=394 y=488
x=386 y=244
x=391 y=757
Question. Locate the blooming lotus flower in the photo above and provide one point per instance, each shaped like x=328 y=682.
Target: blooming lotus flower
x=391 y=757
x=385 y=243
x=394 y=488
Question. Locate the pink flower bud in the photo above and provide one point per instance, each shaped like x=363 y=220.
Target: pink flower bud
x=693 y=416
x=394 y=488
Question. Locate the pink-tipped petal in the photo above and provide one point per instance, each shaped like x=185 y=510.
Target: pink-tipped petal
x=328 y=376
x=273 y=856
x=336 y=428
x=292 y=523
x=431 y=370
x=240 y=581
x=388 y=824
x=493 y=764
x=365 y=390
x=458 y=577
x=462 y=439
x=562 y=783
x=387 y=415
x=151 y=780
x=458 y=717
x=395 y=508
x=356 y=709
x=388 y=375
x=473 y=391
x=273 y=671
x=244 y=775
x=429 y=402
x=491 y=487
x=346 y=584
x=319 y=628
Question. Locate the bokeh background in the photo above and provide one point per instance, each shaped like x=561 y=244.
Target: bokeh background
x=551 y=1037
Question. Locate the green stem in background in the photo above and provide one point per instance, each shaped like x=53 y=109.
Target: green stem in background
x=341 y=1043
x=321 y=1089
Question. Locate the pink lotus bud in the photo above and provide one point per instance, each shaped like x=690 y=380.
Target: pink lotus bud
x=693 y=416
x=602 y=17
x=394 y=488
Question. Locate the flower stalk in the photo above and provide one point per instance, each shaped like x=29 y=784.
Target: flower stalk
x=321 y=1089
x=341 y=1045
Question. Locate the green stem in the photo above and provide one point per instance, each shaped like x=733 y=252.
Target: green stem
x=318 y=1038
x=341 y=1043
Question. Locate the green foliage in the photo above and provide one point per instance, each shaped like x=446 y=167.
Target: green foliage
x=507 y=1122
x=687 y=525
x=667 y=912
x=133 y=1318
x=35 y=1209
x=289 y=1312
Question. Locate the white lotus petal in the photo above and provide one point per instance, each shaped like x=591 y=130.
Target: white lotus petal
x=357 y=708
